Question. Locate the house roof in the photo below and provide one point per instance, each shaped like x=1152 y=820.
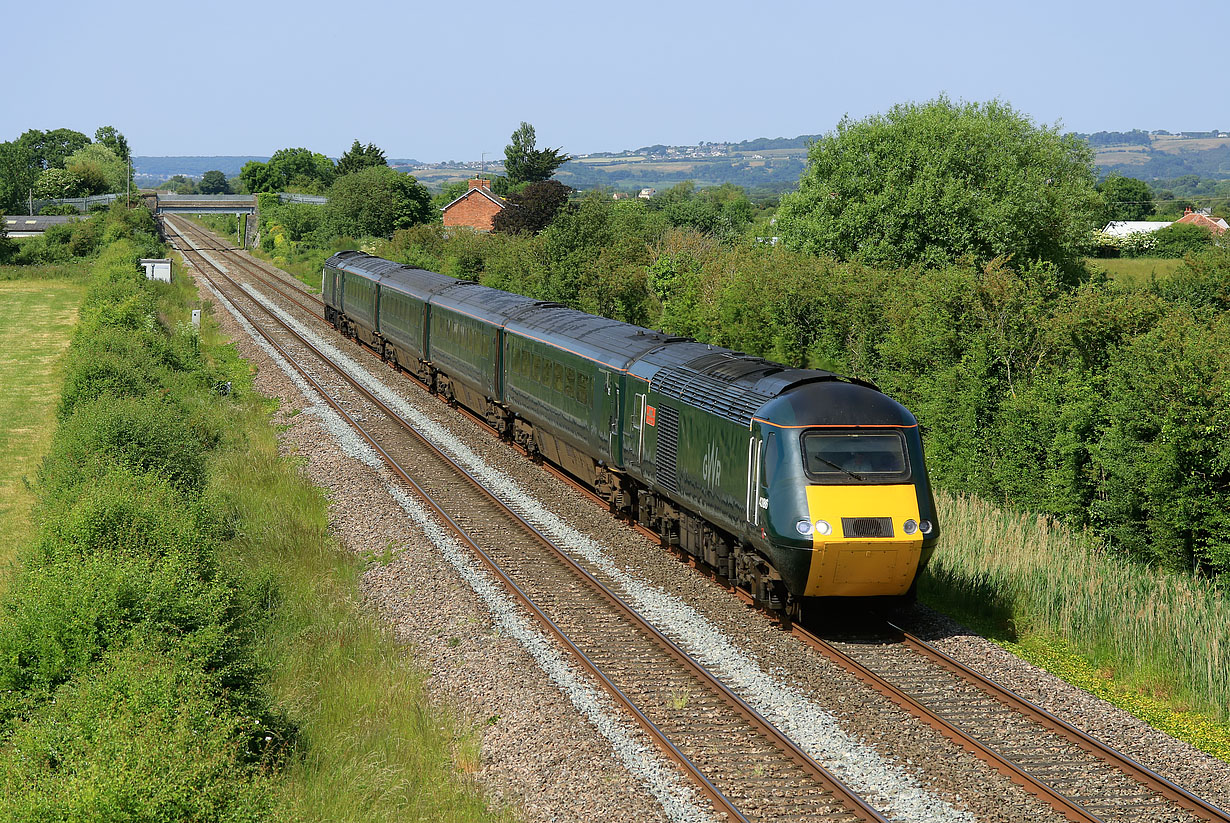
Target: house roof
x=1216 y=225
x=1122 y=228
x=494 y=198
x=20 y=225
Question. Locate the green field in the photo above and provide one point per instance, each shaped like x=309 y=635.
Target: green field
x=1133 y=271
x=36 y=318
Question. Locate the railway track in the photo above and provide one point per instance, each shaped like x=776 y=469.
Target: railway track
x=747 y=767
x=1082 y=779
x=1078 y=775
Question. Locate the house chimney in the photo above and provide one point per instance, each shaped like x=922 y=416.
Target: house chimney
x=480 y=183
x=1187 y=210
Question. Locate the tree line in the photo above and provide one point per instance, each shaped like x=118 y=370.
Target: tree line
x=61 y=163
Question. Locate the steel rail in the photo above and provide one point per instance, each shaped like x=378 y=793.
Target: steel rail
x=1070 y=810
x=1137 y=771
x=822 y=776
x=277 y=284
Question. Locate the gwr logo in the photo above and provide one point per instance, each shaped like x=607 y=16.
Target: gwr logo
x=711 y=469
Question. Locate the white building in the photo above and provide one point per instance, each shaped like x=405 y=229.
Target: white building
x=1122 y=228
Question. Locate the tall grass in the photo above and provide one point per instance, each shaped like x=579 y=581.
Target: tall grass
x=1131 y=272
x=1162 y=633
x=373 y=747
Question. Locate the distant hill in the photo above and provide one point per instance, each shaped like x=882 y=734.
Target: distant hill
x=765 y=165
x=167 y=167
x=1161 y=155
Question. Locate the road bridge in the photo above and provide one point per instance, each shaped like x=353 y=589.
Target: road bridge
x=205 y=204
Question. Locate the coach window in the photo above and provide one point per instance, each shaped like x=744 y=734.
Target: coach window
x=559 y=377
x=570 y=383
x=583 y=388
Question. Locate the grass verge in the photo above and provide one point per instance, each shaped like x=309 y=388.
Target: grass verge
x=1152 y=643
x=37 y=315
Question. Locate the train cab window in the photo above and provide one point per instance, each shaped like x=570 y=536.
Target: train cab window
x=831 y=457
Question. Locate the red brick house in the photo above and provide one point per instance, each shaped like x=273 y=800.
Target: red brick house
x=1213 y=224
x=476 y=208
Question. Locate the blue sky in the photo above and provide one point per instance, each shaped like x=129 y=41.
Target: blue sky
x=434 y=82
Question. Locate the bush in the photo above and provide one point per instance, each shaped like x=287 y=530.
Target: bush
x=142 y=434
x=141 y=738
x=1180 y=239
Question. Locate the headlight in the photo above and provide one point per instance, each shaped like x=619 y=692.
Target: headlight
x=910 y=527
x=823 y=527
x=925 y=527
x=804 y=527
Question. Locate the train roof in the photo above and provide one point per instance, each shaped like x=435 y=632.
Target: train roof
x=419 y=283
x=609 y=342
x=399 y=277
x=835 y=403
x=483 y=303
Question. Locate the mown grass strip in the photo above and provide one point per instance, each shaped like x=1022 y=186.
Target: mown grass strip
x=1152 y=643
x=37 y=316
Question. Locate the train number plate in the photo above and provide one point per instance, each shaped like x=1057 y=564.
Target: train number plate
x=651 y=415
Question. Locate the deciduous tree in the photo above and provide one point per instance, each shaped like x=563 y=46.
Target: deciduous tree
x=112 y=139
x=17 y=176
x=289 y=169
x=360 y=157
x=375 y=202
x=938 y=181
x=1126 y=198
x=533 y=208
x=214 y=182
x=51 y=149
x=523 y=163
x=57 y=183
x=99 y=170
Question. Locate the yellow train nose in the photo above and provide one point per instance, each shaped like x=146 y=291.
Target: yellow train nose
x=866 y=551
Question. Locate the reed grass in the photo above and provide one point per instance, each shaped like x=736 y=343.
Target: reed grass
x=1162 y=635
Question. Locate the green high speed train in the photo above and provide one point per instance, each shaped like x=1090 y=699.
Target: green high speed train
x=791 y=483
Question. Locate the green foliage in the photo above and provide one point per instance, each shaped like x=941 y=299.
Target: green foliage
x=98 y=168
x=214 y=182
x=375 y=202
x=939 y=181
x=112 y=139
x=360 y=157
x=17 y=176
x=58 y=183
x=8 y=248
x=1180 y=239
x=533 y=208
x=721 y=211
x=523 y=163
x=289 y=170
x=51 y=149
x=1126 y=198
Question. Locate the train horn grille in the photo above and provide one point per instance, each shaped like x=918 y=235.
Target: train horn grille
x=867 y=527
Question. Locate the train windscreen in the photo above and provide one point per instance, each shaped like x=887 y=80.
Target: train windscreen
x=831 y=457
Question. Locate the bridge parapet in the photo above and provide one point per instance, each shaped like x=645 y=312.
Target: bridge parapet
x=205 y=204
